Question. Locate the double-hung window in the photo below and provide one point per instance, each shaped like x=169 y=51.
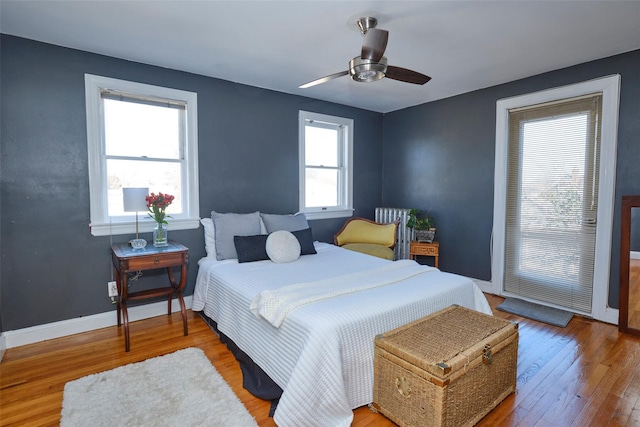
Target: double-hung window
x=326 y=165
x=140 y=136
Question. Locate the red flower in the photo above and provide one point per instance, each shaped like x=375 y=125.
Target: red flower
x=157 y=205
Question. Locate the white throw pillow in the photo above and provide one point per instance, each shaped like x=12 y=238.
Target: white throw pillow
x=209 y=237
x=283 y=246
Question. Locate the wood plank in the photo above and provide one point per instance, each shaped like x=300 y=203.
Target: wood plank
x=624 y=363
x=618 y=405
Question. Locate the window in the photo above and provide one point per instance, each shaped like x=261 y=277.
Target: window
x=550 y=186
x=140 y=135
x=326 y=177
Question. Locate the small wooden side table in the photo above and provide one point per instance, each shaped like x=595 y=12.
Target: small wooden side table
x=425 y=249
x=126 y=259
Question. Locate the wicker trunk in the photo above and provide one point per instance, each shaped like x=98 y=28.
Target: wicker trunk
x=448 y=369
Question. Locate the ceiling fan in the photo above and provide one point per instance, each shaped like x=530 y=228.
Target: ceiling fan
x=371 y=65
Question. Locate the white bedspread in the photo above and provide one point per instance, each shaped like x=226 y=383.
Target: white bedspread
x=322 y=354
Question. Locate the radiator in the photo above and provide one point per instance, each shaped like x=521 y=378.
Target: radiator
x=390 y=215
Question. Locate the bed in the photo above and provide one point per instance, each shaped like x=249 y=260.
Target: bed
x=320 y=352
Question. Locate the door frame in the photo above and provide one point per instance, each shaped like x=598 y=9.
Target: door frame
x=609 y=86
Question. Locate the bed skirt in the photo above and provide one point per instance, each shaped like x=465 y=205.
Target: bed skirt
x=254 y=379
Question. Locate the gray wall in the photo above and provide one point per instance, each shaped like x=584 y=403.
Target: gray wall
x=52 y=267
x=437 y=156
x=440 y=156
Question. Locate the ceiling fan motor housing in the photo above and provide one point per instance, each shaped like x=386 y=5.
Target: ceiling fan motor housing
x=366 y=70
x=365 y=23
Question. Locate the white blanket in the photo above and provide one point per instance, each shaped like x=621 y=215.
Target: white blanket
x=322 y=353
x=275 y=305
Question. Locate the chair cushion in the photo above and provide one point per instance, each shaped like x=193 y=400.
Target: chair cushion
x=379 y=251
x=358 y=231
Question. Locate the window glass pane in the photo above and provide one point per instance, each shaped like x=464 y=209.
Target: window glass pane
x=321 y=146
x=136 y=130
x=159 y=177
x=321 y=187
x=551 y=213
x=553 y=168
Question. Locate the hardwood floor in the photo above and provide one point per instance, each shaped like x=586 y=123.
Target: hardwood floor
x=586 y=374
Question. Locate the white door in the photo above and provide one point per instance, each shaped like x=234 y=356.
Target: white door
x=552 y=200
x=554 y=196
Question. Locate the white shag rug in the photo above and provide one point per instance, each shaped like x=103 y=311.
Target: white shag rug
x=179 y=389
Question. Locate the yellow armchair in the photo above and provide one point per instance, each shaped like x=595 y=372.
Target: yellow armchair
x=369 y=237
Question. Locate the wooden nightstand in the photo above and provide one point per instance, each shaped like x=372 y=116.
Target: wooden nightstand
x=425 y=249
x=126 y=259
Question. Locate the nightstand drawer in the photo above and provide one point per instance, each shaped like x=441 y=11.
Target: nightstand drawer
x=425 y=249
x=153 y=261
x=422 y=249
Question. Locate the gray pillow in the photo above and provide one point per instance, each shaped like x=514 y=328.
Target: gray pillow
x=227 y=225
x=275 y=222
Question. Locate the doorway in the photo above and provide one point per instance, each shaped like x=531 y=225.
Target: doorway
x=545 y=229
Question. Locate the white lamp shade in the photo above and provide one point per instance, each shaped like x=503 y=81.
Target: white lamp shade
x=134 y=199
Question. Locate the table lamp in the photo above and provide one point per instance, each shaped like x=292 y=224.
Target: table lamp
x=134 y=200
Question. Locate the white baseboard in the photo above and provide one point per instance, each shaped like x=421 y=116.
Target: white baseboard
x=3 y=345
x=634 y=255
x=485 y=286
x=611 y=315
x=10 y=339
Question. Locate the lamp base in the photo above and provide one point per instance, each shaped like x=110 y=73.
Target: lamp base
x=138 y=243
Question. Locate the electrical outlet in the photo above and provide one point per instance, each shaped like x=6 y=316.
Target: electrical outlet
x=113 y=289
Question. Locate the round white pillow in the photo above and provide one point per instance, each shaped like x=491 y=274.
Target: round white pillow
x=282 y=246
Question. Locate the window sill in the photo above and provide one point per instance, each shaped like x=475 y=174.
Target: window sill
x=338 y=213
x=144 y=226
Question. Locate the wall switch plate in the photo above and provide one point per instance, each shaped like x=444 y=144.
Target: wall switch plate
x=113 y=289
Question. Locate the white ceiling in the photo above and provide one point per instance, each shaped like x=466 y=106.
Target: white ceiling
x=279 y=45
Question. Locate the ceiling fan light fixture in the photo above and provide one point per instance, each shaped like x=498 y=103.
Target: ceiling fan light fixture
x=364 y=70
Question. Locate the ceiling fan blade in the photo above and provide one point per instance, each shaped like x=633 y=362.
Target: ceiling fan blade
x=323 y=79
x=374 y=45
x=405 y=75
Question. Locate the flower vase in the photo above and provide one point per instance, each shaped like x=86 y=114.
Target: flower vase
x=160 y=235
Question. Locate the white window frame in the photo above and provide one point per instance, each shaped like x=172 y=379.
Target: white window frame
x=345 y=192
x=101 y=224
x=610 y=88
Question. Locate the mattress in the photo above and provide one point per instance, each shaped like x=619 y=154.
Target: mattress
x=322 y=353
